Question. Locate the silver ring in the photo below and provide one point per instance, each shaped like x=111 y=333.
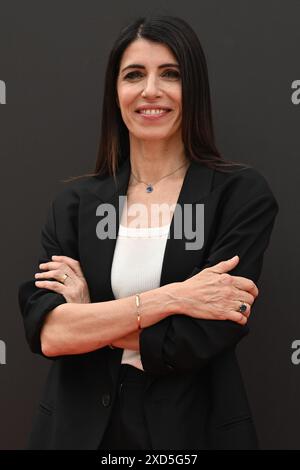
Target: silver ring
x=242 y=307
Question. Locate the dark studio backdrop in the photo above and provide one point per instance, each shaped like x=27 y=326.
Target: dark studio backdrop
x=52 y=61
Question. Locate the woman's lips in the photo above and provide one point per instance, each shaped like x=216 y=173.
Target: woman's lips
x=152 y=117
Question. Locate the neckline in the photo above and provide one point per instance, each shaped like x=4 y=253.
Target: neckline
x=144 y=231
x=146 y=228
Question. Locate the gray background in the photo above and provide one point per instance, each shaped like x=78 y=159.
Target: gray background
x=52 y=58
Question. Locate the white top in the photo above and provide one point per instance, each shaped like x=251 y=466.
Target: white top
x=136 y=268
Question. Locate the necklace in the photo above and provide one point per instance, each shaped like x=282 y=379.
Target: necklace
x=149 y=186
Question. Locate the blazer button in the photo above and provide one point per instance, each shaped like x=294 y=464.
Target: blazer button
x=106 y=399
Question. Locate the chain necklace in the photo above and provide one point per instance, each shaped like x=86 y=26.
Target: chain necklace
x=149 y=186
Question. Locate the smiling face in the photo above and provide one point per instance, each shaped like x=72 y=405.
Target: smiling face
x=151 y=82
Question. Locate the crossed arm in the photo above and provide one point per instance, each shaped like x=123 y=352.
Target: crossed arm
x=177 y=342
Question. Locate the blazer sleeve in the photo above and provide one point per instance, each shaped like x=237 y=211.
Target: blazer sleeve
x=35 y=302
x=182 y=343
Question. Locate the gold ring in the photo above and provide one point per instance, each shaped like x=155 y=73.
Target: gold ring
x=64 y=278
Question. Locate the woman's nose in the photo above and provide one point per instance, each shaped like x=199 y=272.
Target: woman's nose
x=152 y=87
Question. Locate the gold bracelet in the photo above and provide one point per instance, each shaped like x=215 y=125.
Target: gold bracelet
x=137 y=302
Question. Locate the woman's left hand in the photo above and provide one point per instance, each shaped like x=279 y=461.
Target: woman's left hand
x=74 y=289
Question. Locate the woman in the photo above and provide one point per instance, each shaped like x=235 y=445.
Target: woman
x=141 y=323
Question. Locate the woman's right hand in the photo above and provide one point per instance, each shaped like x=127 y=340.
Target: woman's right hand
x=214 y=294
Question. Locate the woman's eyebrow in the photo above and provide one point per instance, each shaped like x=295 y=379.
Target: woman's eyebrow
x=140 y=66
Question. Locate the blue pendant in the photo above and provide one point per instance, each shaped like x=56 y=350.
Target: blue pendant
x=149 y=188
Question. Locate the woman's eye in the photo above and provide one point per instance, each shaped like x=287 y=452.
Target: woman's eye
x=173 y=73
x=131 y=75
x=170 y=73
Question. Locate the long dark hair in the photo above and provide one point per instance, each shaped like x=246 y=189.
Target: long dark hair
x=197 y=124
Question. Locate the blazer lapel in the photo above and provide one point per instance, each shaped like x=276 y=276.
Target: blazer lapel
x=96 y=255
x=178 y=261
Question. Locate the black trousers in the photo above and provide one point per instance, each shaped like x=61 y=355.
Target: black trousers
x=127 y=427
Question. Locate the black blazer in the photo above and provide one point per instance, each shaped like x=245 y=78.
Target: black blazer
x=195 y=396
